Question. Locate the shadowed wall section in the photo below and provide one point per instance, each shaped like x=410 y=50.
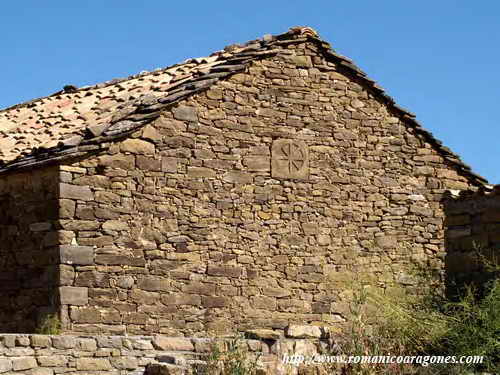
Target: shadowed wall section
x=472 y=236
x=28 y=248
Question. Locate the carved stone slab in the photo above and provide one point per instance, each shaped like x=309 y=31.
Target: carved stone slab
x=290 y=159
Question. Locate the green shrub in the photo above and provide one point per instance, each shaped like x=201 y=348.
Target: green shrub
x=474 y=326
x=397 y=322
x=50 y=325
x=230 y=357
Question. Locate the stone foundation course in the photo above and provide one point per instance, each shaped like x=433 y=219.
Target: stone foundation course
x=134 y=355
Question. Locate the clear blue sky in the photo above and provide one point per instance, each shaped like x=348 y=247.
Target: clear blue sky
x=440 y=59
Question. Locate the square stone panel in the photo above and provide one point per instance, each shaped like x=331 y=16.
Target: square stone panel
x=290 y=159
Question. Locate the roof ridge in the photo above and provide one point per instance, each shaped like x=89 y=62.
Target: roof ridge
x=232 y=59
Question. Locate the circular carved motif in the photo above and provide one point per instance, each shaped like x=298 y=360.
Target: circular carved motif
x=290 y=159
x=292 y=156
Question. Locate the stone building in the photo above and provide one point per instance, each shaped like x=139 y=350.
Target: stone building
x=240 y=190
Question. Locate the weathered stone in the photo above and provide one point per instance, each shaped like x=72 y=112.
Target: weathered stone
x=86 y=344
x=77 y=255
x=173 y=343
x=290 y=159
x=257 y=163
x=40 y=227
x=148 y=163
x=185 y=113
x=73 y=295
x=301 y=61
x=52 y=361
x=169 y=165
x=238 y=178
x=226 y=271
x=137 y=146
x=150 y=133
x=303 y=332
x=210 y=302
x=42 y=371
x=115 y=225
x=75 y=192
x=5 y=365
x=153 y=284
x=66 y=208
x=199 y=172
x=23 y=363
x=40 y=341
x=164 y=369
x=386 y=242
x=93 y=364
x=120 y=161
x=266 y=334
x=125 y=363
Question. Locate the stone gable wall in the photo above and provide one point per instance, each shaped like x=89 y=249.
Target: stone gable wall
x=199 y=222
x=28 y=248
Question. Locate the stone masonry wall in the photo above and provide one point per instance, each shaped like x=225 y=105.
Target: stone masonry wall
x=28 y=248
x=473 y=231
x=251 y=205
x=119 y=355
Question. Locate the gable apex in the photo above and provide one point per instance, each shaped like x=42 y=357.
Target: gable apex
x=76 y=121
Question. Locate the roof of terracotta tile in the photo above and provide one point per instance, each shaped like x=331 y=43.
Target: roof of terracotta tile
x=75 y=121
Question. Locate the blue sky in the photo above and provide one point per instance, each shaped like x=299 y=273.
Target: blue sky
x=439 y=59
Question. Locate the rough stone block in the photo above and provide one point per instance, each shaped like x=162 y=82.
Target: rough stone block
x=86 y=344
x=169 y=165
x=93 y=364
x=173 y=343
x=42 y=371
x=40 y=227
x=386 y=242
x=210 y=301
x=236 y=177
x=185 y=113
x=75 y=192
x=52 y=361
x=226 y=271
x=5 y=365
x=115 y=225
x=23 y=363
x=303 y=332
x=125 y=363
x=66 y=208
x=40 y=341
x=63 y=342
x=200 y=172
x=137 y=146
x=301 y=61
x=77 y=255
x=265 y=334
x=119 y=161
x=148 y=163
x=73 y=295
x=257 y=163
x=153 y=284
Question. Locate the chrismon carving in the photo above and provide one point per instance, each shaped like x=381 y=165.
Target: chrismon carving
x=290 y=159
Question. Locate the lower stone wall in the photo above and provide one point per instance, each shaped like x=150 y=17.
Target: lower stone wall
x=472 y=235
x=121 y=355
